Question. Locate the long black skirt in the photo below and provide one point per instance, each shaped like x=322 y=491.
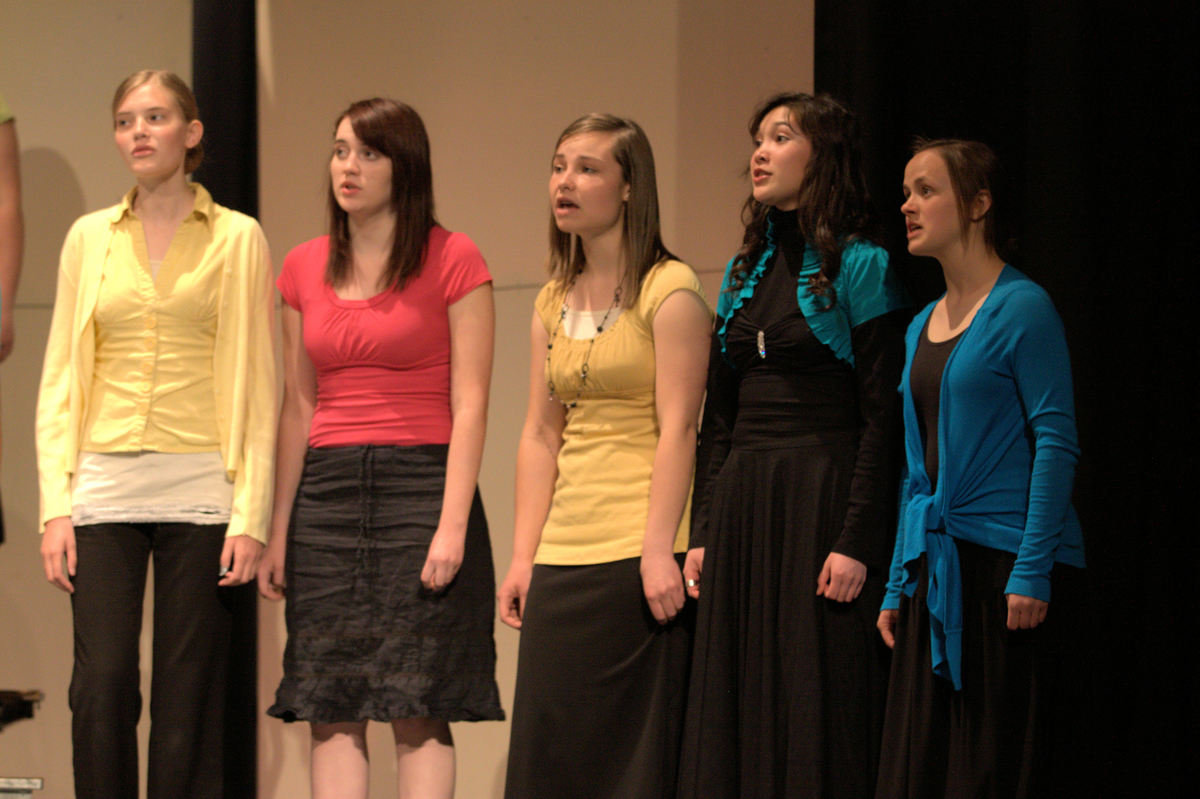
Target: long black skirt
x=365 y=639
x=787 y=688
x=1002 y=735
x=600 y=688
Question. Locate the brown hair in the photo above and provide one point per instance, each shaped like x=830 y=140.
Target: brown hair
x=834 y=204
x=973 y=168
x=642 y=243
x=396 y=131
x=183 y=98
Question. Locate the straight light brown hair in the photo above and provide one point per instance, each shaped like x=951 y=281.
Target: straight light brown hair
x=642 y=245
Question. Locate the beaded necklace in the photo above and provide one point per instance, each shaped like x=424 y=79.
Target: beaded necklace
x=587 y=356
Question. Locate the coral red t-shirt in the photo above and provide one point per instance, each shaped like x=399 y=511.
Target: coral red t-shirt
x=383 y=364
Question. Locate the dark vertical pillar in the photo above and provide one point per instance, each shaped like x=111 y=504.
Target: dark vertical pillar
x=224 y=78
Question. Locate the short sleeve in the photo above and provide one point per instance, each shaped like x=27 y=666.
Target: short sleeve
x=463 y=268
x=548 y=302
x=663 y=281
x=869 y=286
x=304 y=264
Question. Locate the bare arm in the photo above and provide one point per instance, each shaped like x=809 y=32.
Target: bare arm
x=682 y=328
x=295 y=419
x=716 y=436
x=472 y=331
x=537 y=470
x=12 y=231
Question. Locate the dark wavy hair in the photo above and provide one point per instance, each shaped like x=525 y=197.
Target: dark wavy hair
x=834 y=204
x=184 y=98
x=396 y=131
x=973 y=168
x=642 y=244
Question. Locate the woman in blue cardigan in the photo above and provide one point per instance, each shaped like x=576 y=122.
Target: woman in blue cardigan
x=990 y=442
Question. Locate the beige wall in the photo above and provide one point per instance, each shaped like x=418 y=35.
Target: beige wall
x=495 y=84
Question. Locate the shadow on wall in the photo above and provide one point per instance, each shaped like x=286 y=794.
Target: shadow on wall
x=52 y=198
x=37 y=648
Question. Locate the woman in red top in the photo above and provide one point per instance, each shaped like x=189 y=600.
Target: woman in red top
x=388 y=325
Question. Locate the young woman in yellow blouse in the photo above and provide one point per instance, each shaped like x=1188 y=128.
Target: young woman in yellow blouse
x=155 y=436
x=604 y=466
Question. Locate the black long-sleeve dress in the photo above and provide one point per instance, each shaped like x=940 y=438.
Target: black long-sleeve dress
x=798 y=458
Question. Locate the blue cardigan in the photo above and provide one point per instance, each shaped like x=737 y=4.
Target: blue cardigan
x=1007 y=449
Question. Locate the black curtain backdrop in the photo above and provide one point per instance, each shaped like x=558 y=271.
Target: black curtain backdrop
x=1088 y=106
x=224 y=80
x=224 y=74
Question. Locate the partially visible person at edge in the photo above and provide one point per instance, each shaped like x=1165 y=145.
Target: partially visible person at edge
x=12 y=228
x=796 y=477
x=155 y=440
x=12 y=234
x=986 y=521
x=378 y=534
x=619 y=343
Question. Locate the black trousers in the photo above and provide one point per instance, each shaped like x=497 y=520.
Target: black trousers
x=192 y=623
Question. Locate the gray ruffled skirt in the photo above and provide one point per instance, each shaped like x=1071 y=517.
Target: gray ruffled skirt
x=365 y=639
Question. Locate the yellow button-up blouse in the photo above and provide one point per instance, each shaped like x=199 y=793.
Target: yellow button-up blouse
x=210 y=386
x=152 y=387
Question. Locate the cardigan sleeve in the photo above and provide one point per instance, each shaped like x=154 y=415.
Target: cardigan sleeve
x=55 y=454
x=867 y=532
x=712 y=447
x=1041 y=368
x=252 y=421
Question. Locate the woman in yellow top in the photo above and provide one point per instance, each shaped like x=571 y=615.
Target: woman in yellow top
x=155 y=436
x=604 y=465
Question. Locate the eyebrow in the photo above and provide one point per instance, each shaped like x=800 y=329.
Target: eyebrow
x=595 y=158
x=782 y=123
x=136 y=111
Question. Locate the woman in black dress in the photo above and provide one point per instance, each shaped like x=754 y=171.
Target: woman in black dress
x=794 y=497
